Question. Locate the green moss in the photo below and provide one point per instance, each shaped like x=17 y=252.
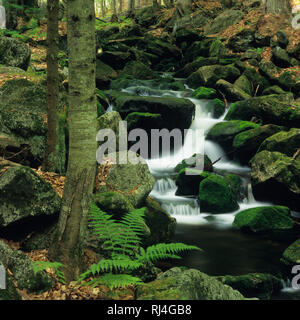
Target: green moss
x=291 y=255
x=263 y=219
x=205 y=93
x=143 y=120
x=216 y=107
x=215 y=196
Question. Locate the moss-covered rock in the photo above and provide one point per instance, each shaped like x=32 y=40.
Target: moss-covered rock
x=175 y=112
x=188 y=180
x=231 y=91
x=114 y=203
x=139 y=71
x=291 y=255
x=277 y=109
x=162 y=226
x=260 y=285
x=14 y=53
x=244 y=84
x=194 y=162
x=144 y=120
x=216 y=107
x=264 y=219
x=235 y=184
x=242 y=41
x=21 y=267
x=205 y=93
x=10 y=292
x=217 y=49
x=215 y=195
x=191 y=284
x=131 y=179
x=287 y=142
x=275 y=177
x=246 y=143
x=104 y=74
x=24 y=194
x=224 y=132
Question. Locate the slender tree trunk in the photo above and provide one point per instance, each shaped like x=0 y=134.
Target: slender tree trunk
x=102 y=8
x=120 y=6
x=114 y=7
x=131 y=9
x=53 y=161
x=277 y=6
x=67 y=245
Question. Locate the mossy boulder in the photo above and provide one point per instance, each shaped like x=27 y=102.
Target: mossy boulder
x=242 y=41
x=277 y=109
x=24 y=194
x=247 y=143
x=287 y=142
x=224 y=132
x=114 y=203
x=244 y=84
x=10 y=292
x=235 y=184
x=264 y=219
x=104 y=74
x=208 y=75
x=194 y=162
x=139 y=70
x=144 y=120
x=260 y=285
x=217 y=49
x=231 y=91
x=216 y=196
x=275 y=177
x=162 y=226
x=205 y=93
x=21 y=267
x=14 y=53
x=190 y=284
x=216 y=107
x=273 y=90
x=291 y=255
x=188 y=180
x=280 y=57
x=175 y=112
x=131 y=178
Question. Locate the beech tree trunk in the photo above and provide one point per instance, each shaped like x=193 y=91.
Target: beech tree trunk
x=67 y=244
x=53 y=161
x=277 y=6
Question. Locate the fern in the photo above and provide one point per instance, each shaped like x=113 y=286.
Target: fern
x=122 y=240
x=43 y=265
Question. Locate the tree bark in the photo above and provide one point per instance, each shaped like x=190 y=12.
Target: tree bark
x=67 y=244
x=277 y=6
x=53 y=162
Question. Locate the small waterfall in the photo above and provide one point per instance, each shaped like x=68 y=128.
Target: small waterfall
x=164 y=185
x=251 y=198
x=181 y=209
x=110 y=108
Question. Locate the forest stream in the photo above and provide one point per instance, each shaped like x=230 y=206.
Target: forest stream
x=226 y=250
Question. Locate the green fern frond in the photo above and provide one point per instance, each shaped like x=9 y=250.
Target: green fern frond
x=114 y=281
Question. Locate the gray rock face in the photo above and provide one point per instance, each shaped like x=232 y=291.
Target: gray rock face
x=24 y=194
x=133 y=180
x=14 y=53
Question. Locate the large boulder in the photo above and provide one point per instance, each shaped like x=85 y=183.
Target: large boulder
x=223 y=21
x=216 y=195
x=264 y=220
x=130 y=179
x=231 y=91
x=14 y=53
x=208 y=75
x=260 y=285
x=138 y=70
x=224 y=132
x=287 y=142
x=191 y=284
x=21 y=267
x=246 y=143
x=24 y=194
x=242 y=41
x=277 y=109
x=175 y=112
x=275 y=177
x=104 y=74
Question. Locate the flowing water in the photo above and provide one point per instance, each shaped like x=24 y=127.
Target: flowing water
x=226 y=250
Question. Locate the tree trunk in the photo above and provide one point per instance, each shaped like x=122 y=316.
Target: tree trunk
x=53 y=161
x=277 y=6
x=102 y=8
x=131 y=6
x=120 y=6
x=114 y=7
x=67 y=244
